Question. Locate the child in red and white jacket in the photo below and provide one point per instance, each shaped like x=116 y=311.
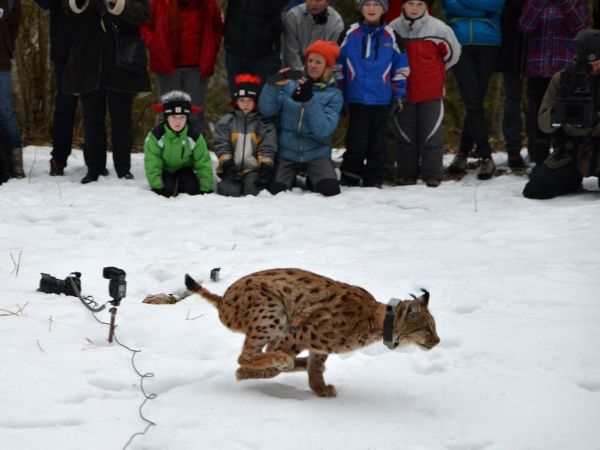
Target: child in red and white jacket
x=432 y=49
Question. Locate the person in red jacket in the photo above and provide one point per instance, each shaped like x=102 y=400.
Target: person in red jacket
x=432 y=49
x=183 y=38
x=395 y=9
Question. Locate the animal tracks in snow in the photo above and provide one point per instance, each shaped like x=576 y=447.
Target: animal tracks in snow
x=591 y=386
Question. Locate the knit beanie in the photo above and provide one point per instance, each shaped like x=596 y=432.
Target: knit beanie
x=384 y=3
x=587 y=45
x=246 y=85
x=329 y=50
x=175 y=103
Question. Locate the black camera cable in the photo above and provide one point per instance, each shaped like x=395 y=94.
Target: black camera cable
x=88 y=301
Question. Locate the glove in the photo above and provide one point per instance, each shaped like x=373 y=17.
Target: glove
x=396 y=108
x=265 y=172
x=278 y=77
x=303 y=92
x=162 y=191
x=230 y=171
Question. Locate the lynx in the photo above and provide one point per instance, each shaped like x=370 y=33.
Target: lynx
x=286 y=311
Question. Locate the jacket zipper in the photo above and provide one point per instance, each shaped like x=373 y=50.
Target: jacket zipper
x=299 y=128
x=244 y=145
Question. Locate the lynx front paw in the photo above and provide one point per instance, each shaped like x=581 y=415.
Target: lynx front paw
x=246 y=374
x=325 y=390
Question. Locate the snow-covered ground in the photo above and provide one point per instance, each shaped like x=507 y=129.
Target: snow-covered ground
x=515 y=290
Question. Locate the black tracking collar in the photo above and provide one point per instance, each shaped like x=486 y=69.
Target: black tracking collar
x=388 y=323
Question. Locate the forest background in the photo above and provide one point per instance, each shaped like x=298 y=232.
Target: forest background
x=33 y=83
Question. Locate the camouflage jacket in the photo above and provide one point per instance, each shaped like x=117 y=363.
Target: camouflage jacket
x=579 y=145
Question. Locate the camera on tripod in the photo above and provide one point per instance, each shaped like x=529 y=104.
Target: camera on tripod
x=51 y=285
x=574 y=107
x=117 y=287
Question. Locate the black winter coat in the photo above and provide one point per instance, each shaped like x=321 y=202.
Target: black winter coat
x=511 y=52
x=92 y=60
x=9 y=28
x=253 y=27
x=62 y=29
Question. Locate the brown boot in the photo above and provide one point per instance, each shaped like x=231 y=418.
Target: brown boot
x=16 y=163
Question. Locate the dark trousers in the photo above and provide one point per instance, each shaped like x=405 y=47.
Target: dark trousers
x=473 y=72
x=182 y=181
x=65 y=107
x=547 y=183
x=365 y=140
x=538 y=143
x=95 y=104
x=512 y=123
x=421 y=143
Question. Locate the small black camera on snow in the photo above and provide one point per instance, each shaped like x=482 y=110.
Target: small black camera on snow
x=51 y=285
x=117 y=287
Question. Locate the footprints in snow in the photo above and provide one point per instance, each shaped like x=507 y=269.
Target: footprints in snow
x=591 y=386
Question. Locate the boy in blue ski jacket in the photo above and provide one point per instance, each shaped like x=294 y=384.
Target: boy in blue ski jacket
x=371 y=71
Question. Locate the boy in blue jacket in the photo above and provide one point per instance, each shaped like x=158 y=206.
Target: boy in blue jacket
x=372 y=72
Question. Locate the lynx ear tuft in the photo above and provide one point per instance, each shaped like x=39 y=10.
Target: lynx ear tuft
x=425 y=297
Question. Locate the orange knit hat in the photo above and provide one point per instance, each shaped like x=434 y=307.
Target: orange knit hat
x=329 y=50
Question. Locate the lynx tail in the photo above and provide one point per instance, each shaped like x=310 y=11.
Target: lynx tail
x=194 y=287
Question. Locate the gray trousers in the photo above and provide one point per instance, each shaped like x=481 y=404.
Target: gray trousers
x=187 y=79
x=421 y=145
x=245 y=186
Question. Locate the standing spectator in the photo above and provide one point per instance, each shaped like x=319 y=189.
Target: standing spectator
x=244 y=143
x=252 y=38
x=476 y=24
x=510 y=63
x=372 y=73
x=432 y=49
x=304 y=24
x=9 y=28
x=104 y=78
x=183 y=38
x=395 y=9
x=549 y=27
x=176 y=159
x=62 y=30
x=308 y=112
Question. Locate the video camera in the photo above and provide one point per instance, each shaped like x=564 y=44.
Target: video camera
x=51 y=285
x=574 y=107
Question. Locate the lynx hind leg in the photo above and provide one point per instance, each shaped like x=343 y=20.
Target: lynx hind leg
x=316 y=367
x=252 y=356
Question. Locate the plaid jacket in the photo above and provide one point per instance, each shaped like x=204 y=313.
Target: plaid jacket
x=550 y=27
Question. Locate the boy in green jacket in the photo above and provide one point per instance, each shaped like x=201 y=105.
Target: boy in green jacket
x=175 y=158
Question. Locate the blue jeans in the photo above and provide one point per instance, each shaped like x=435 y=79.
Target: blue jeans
x=8 y=115
x=187 y=79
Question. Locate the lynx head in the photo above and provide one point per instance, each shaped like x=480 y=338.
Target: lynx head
x=413 y=323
